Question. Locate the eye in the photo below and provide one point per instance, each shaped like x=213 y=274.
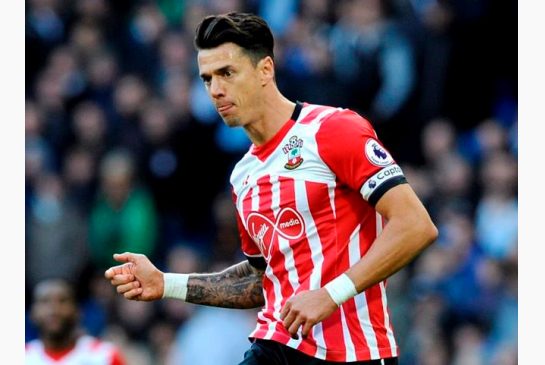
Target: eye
x=228 y=73
x=206 y=81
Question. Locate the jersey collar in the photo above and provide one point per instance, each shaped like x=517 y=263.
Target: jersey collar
x=265 y=150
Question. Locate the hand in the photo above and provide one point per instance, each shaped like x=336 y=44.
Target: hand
x=306 y=309
x=137 y=278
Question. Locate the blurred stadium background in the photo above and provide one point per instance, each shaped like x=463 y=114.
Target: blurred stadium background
x=124 y=152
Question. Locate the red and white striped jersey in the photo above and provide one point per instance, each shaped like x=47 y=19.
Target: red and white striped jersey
x=305 y=203
x=88 y=351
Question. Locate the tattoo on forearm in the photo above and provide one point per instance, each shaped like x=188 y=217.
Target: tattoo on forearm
x=239 y=286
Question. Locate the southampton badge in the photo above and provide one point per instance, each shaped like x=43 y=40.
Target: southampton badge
x=293 y=150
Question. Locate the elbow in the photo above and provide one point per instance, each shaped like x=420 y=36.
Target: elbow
x=429 y=233
x=432 y=233
x=423 y=231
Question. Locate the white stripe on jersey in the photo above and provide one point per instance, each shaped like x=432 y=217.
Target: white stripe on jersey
x=389 y=332
x=349 y=345
x=284 y=244
x=354 y=255
x=307 y=110
x=316 y=257
x=255 y=207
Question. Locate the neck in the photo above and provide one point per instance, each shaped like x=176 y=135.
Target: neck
x=276 y=110
x=59 y=344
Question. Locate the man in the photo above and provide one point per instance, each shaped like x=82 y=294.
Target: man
x=325 y=216
x=55 y=313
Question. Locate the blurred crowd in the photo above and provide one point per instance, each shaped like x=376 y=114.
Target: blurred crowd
x=125 y=152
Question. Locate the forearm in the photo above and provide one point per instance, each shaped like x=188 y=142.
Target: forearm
x=397 y=245
x=239 y=286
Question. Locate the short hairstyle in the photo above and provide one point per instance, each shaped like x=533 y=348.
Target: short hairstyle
x=246 y=30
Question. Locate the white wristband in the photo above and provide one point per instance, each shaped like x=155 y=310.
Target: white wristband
x=341 y=289
x=175 y=286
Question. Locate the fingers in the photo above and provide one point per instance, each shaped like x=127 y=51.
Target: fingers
x=294 y=327
x=124 y=257
x=133 y=294
x=121 y=279
x=307 y=326
x=128 y=287
x=291 y=319
x=285 y=310
x=118 y=270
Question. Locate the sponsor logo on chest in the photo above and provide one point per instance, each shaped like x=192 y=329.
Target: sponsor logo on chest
x=287 y=224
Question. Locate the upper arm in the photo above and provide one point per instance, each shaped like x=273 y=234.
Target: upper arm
x=349 y=146
x=256 y=271
x=400 y=201
x=401 y=204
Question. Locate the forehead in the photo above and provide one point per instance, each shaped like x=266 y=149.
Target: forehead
x=221 y=56
x=51 y=290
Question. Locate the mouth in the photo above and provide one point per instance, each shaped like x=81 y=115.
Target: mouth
x=224 y=108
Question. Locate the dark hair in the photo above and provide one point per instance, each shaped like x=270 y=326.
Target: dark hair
x=246 y=30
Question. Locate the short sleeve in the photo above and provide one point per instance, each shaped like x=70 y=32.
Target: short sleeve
x=349 y=145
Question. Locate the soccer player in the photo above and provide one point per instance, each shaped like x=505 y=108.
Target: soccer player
x=325 y=216
x=55 y=313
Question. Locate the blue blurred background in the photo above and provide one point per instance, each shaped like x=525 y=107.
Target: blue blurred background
x=124 y=152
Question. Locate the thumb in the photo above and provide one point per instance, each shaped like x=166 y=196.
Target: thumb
x=124 y=257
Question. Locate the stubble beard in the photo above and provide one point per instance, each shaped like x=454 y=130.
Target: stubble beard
x=232 y=121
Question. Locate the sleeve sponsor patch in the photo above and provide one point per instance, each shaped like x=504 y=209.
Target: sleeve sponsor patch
x=377 y=180
x=376 y=154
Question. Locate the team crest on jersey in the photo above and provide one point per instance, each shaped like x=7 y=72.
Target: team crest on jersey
x=293 y=150
x=376 y=154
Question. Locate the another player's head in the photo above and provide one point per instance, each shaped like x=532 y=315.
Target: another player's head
x=55 y=310
x=236 y=63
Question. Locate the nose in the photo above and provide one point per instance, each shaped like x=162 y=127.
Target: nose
x=216 y=88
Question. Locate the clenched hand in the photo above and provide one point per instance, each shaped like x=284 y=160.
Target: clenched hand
x=306 y=309
x=137 y=278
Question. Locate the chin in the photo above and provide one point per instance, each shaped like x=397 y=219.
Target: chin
x=232 y=121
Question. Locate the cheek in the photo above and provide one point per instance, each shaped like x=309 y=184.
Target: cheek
x=251 y=92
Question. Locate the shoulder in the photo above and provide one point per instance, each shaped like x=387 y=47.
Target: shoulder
x=33 y=346
x=98 y=346
x=348 y=123
x=312 y=114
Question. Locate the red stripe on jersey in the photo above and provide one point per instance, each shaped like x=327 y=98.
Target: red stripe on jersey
x=376 y=314
x=351 y=316
x=57 y=355
x=301 y=248
x=276 y=261
x=117 y=359
x=373 y=294
x=322 y=214
x=302 y=257
x=248 y=245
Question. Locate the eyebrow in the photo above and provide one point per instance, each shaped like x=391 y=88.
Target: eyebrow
x=220 y=70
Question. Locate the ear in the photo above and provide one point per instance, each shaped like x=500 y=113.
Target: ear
x=266 y=70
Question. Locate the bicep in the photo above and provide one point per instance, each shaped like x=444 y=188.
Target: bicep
x=401 y=201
